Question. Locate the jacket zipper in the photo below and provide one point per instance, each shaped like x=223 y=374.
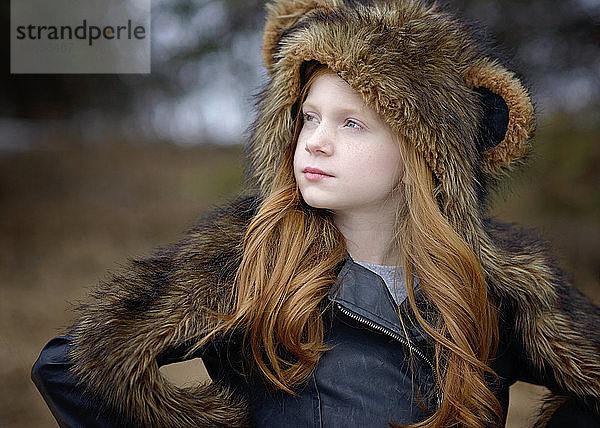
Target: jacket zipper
x=391 y=334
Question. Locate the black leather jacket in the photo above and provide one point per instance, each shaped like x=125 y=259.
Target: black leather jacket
x=376 y=372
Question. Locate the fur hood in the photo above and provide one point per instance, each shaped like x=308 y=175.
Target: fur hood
x=423 y=69
x=438 y=85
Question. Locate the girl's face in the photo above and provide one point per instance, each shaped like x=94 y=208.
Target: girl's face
x=346 y=159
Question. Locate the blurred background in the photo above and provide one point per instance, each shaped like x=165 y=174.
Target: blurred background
x=98 y=168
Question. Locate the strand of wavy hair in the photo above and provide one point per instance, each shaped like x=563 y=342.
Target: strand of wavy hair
x=448 y=272
x=290 y=252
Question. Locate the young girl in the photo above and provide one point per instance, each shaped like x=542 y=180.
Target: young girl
x=357 y=282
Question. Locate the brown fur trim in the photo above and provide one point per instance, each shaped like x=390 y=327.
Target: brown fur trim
x=160 y=303
x=556 y=325
x=281 y=16
x=521 y=125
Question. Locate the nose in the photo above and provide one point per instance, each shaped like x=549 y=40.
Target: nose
x=320 y=140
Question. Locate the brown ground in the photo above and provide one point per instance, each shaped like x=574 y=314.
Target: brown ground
x=69 y=214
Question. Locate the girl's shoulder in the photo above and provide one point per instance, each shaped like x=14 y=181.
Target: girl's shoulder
x=195 y=271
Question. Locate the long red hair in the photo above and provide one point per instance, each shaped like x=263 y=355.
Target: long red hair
x=290 y=254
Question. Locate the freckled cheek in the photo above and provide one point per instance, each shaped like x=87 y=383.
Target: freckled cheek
x=366 y=160
x=383 y=167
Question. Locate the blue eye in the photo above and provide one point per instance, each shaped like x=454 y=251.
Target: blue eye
x=307 y=117
x=353 y=124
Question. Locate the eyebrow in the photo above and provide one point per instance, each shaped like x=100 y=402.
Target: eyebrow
x=342 y=109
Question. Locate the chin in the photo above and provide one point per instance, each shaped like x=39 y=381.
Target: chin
x=316 y=202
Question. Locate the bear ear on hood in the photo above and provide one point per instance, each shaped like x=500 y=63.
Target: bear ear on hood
x=508 y=120
x=281 y=16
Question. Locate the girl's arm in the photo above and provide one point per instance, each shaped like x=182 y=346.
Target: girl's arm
x=105 y=372
x=555 y=329
x=564 y=355
x=63 y=393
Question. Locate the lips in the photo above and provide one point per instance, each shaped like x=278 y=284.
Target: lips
x=314 y=174
x=310 y=170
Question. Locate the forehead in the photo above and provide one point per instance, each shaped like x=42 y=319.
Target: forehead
x=329 y=91
x=330 y=87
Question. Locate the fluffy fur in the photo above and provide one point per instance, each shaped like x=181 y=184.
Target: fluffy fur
x=158 y=304
x=418 y=66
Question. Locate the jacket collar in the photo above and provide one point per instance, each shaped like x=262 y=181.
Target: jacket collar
x=364 y=293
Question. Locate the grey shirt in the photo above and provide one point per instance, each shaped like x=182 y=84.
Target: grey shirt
x=394 y=281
